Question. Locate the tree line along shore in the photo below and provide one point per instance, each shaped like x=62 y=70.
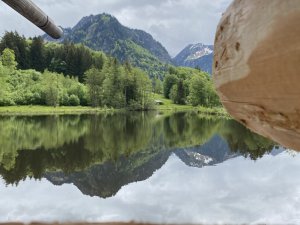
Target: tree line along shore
x=38 y=77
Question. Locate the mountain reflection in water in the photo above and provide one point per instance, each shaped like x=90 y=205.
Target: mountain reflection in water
x=101 y=153
x=148 y=167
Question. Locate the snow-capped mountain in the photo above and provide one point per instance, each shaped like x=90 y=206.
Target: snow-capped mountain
x=215 y=151
x=196 y=56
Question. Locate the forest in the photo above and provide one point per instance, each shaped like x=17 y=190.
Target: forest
x=33 y=72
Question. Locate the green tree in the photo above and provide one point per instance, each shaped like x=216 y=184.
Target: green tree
x=4 y=90
x=58 y=66
x=113 y=84
x=85 y=60
x=143 y=84
x=19 y=45
x=178 y=93
x=37 y=54
x=129 y=83
x=74 y=100
x=169 y=81
x=212 y=96
x=173 y=93
x=94 y=79
x=98 y=60
x=51 y=88
x=8 y=59
x=197 y=91
x=157 y=86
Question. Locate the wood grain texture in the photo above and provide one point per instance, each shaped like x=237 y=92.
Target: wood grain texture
x=257 y=67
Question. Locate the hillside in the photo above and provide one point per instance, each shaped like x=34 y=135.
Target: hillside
x=196 y=56
x=104 y=32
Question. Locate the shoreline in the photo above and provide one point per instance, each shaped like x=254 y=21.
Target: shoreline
x=49 y=110
x=80 y=110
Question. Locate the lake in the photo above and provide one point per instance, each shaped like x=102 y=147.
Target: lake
x=147 y=167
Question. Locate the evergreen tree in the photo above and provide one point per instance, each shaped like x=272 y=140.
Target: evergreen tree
x=128 y=82
x=98 y=60
x=57 y=65
x=72 y=60
x=142 y=99
x=94 y=80
x=37 y=54
x=113 y=84
x=19 y=45
x=84 y=61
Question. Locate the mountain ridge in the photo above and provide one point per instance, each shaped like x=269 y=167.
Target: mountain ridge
x=106 y=179
x=196 y=56
x=103 y=32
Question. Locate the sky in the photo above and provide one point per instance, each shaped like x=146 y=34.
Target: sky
x=238 y=191
x=174 y=23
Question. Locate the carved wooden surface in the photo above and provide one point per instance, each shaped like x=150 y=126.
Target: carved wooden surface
x=34 y=14
x=257 y=67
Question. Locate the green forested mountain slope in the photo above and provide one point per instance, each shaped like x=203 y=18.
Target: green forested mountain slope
x=104 y=32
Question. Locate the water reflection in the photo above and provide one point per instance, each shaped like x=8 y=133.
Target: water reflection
x=101 y=153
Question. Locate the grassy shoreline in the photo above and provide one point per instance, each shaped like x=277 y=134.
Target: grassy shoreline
x=168 y=105
x=48 y=110
x=75 y=110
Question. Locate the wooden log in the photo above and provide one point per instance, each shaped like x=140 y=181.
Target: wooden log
x=257 y=67
x=34 y=14
x=84 y=223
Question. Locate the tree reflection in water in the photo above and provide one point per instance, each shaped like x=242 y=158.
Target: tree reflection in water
x=101 y=153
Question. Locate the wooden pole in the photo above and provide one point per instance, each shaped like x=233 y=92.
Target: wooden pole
x=34 y=14
x=257 y=67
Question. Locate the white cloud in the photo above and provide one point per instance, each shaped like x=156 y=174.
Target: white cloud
x=175 y=23
x=235 y=192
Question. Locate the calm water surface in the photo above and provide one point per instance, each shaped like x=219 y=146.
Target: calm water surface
x=147 y=167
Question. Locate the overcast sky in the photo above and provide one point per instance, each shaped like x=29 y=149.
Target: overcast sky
x=174 y=23
x=238 y=191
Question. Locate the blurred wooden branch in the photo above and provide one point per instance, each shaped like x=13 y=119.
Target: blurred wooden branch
x=34 y=14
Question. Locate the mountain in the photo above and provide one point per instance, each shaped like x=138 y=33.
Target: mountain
x=105 y=180
x=215 y=151
x=104 y=32
x=196 y=56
